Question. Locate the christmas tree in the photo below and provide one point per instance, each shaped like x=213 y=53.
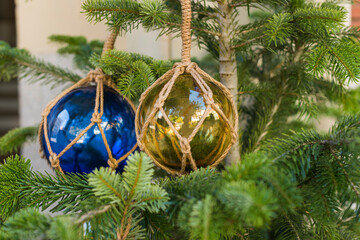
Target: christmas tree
x=281 y=180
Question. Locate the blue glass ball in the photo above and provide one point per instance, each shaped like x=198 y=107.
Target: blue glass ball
x=73 y=113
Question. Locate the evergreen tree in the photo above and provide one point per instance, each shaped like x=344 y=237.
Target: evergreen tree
x=291 y=60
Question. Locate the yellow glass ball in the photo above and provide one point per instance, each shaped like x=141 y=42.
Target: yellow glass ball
x=185 y=107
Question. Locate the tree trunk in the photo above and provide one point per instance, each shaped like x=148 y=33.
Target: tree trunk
x=228 y=66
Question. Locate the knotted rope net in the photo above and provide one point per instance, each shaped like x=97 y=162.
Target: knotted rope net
x=169 y=78
x=98 y=77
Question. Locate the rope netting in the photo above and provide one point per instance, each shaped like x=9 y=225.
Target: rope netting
x=185 y=67
x=96 y=76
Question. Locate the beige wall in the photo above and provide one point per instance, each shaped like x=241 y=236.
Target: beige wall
x=38 y=19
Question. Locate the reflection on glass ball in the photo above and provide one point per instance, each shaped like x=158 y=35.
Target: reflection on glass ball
x=184 y=107
x=73 y=113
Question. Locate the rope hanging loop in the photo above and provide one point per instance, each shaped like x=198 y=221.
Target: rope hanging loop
x=186 y=119
x=186 y=31
x=100 y=79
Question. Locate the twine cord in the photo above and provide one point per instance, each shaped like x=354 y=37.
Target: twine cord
x=186 y=31
x=97 y=76
x=110 y=41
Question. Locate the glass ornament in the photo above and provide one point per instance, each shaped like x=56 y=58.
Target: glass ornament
x=184 y=107
x=186 y=119
x=73 y=113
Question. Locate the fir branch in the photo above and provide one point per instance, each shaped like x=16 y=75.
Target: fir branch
x=326 y=15
x=345 y=173
x=144 y=71
x=248 y=42
x=21 y=187
x=14 y=169
x=351 y=64
x=254 y=26
x=31 y=224
x=266 y=127
x=293 y=227
x=279 y=28
x=201 y=219
x=129 y=193
x=158 y=227
x=183 y=189
x=318 y=60
x=22 y=64
x=79 y=47
x=132 y=72
x=240 y=198
x=276 y=29
x=15 y=138
x=310 y=142
x=121 y=233
x=256 y=3
x=273 y=194
x=106 y=184
x=151 y=14
x=137 y=175
x=85 y=217
x=57 y=192
x=97 y=195
x=97 y=10
x=128 y=85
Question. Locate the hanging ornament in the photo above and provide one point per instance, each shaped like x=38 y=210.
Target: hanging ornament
x=89 y=125
x=186 y=119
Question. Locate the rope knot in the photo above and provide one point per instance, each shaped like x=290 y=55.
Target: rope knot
x=185 y=146
x=96 y=75
x=233 y=137
x=178 y=64
x=186 y=67
x=107 y=80
x=54 y=160
x=140 y=144
x=190 y=67
x=96 y=117
x=181 y=66
x=208 y=97
x=160 y=102
x=113 y=164
x=100 y=78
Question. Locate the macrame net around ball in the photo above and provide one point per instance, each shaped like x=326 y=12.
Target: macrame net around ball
x=169 y=79
x=100 y=79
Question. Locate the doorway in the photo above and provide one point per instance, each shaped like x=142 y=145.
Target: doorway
x=9 y=104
